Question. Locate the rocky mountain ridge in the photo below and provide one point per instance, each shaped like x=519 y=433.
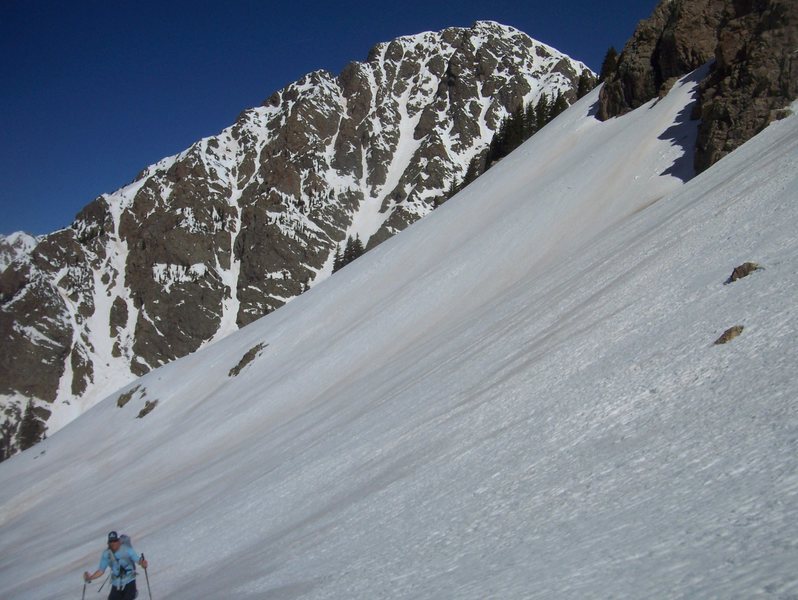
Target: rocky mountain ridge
x=209 y=240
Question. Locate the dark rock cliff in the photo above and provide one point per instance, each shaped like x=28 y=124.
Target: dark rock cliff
x=753 y=78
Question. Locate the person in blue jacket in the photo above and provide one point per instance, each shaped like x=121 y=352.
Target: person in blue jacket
x=122 y=559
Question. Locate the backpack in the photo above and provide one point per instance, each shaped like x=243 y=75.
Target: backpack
x=112 y=560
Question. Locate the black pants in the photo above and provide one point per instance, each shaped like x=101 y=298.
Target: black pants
x=126 y=593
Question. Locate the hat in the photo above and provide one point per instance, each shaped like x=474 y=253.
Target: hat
x=113 y=537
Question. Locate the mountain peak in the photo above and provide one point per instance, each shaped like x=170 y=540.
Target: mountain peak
x=242 y=222
x=495 y=26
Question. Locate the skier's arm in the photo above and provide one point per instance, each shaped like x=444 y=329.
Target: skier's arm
x=137 y=558
x=90 y=577
x=100 y=569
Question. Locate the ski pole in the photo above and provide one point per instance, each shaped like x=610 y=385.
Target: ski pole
x=104 y=582
x=83 y=597
x=147 y=577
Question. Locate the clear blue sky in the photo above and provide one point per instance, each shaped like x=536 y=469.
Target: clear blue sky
x=91 y=92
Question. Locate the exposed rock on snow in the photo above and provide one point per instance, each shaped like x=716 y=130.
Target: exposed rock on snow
x=729 y=335
x=125 y=397
x=251 y=355
x=149 y=405
x=744 y=270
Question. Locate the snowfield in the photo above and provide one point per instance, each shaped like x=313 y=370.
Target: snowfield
x=517 y=397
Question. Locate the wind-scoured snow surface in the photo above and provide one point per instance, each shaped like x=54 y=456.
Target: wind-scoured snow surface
x=514 y=398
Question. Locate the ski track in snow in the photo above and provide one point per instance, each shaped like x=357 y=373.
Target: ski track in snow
x=517 y=397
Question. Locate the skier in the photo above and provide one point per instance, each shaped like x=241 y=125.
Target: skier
x=121 y=558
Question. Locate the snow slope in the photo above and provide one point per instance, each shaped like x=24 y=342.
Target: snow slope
x=512 y=399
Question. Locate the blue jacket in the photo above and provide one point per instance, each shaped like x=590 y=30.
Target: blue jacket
x=123 y=565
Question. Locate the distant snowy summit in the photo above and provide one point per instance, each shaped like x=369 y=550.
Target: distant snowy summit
x=240 y=223
x=15 y=246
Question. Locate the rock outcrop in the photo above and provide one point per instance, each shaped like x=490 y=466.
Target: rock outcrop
x=742 y=271
x=238 y=224
x=679 y=37
x=728 y=335
x=754 y=79
x=754 y=74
